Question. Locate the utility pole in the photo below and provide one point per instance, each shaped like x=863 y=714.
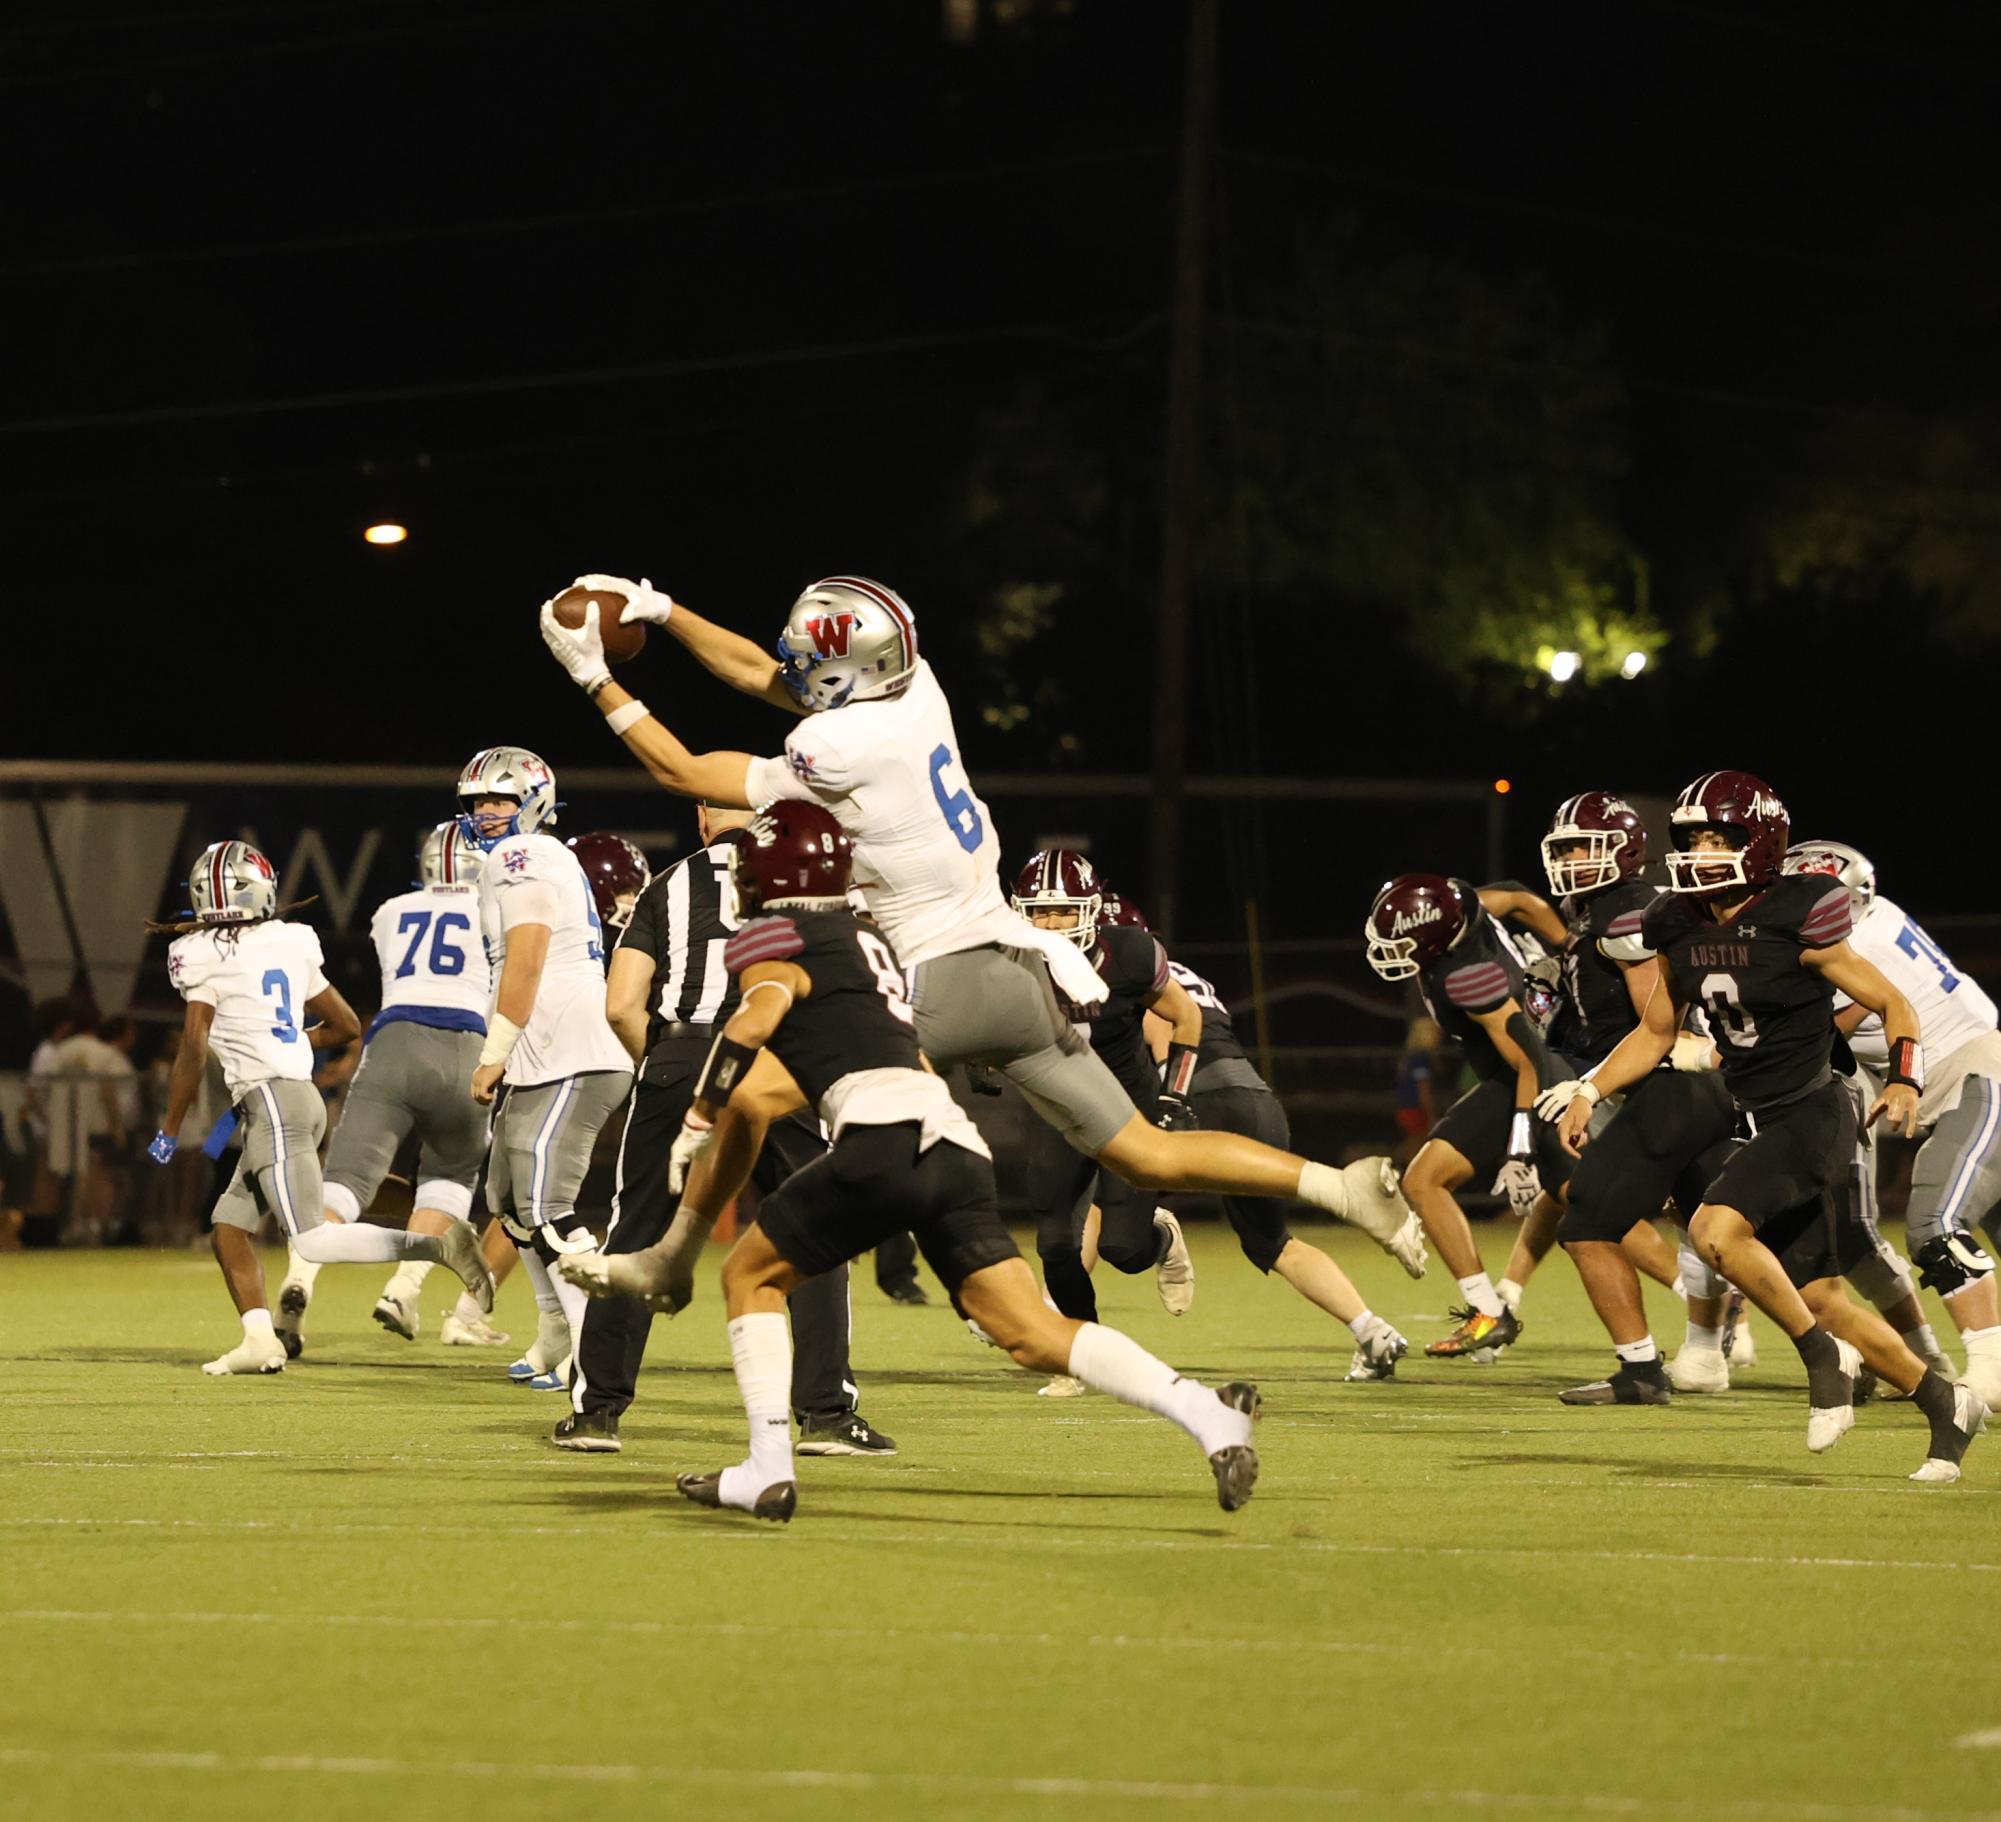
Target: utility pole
x=1180 y=502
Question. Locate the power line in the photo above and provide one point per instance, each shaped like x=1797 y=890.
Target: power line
x=533 y=224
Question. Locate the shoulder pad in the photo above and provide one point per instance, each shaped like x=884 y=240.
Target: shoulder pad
x=763 y=939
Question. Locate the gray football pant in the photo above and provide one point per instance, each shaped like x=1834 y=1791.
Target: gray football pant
x=1956 y=1180
x=412 y=1077
x=279 y=1172
x=542 y=1142
x=996 y=1006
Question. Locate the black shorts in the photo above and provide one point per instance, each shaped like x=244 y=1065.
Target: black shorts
x=1251 y=1113
x=1789 y=1179
x=1476 y=1127
x=1668 y=1138
x=875 y=1183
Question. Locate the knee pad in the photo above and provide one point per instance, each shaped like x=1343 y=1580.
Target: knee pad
x=440 y=1193
x=343 y=1202
x=1698 y=1277
x=1881 y=1276
x=1950 y=1263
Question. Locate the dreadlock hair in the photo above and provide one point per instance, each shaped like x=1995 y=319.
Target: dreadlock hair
x=231 y=931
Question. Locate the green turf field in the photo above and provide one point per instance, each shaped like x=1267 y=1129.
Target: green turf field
x=370 y=1588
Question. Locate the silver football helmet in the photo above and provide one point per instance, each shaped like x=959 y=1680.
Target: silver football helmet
x=232 y=883
x=847 y=639
x=1849 y=865
x=448 y=858
x=506 y=772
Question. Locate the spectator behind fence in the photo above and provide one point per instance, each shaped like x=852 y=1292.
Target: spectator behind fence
x=94 y=1113
x=1418 y=1085
x=48 y=1193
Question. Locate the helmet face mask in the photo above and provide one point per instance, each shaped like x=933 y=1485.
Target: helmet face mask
x=1731 y=831
x=1595 y=840
x=232 y=883
x=1060 y=891
x=847 y=639
x=510 y=775
x=448 y=858
x=1713 y=861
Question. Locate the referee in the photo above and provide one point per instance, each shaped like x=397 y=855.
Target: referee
x=668 y=994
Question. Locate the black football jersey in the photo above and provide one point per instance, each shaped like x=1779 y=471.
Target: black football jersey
x=1771 y=1017
x=1134 y=966
x=855 y=1017
x=1480 y=975
x=1219 y=1036
x=1597 y=1009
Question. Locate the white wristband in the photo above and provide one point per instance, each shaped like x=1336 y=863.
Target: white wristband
x=630 y=715
x=502 y=1034
x=1590 y=1090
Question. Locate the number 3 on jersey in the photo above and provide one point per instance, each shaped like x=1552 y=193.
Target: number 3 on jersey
x=1729 y=1019
x=888 y=976
x=962 y=813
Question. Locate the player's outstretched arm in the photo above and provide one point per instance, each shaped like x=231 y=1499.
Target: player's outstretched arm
x=716 y=778
x=769 y=989
x=736 y=660
x=1532 y=909
x=1636 y=1056
x=1867 y=986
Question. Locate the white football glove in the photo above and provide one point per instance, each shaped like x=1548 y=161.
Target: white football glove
x=1519 y=1183
x=694 y=1138
x=1549 y=1105
x=580 y=651
x=642 y=600
x=1692 y=1051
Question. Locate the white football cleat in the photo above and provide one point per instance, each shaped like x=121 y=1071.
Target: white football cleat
x=397 y=1315
x=460 y=1246
x=1826 y=1425
x=1743 y=1343
x=253 y=1354
x=456 y=1332
x=1062 y=1386
x=1376 y=1206
x=1699 y=1370
x=1376 y=1356
x=1174 y=1277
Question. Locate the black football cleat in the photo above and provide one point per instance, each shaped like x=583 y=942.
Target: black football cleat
x=292 y=1301
x=850 y=1433
x=1241 y=1395
x=1236 y=1471
x=777 y=1502
x=1628 y=1385
x=588 y=1432
x=906 y=1290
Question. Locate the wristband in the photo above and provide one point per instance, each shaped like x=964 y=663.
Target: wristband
x=729 y=1062
x=1591 y=1088
x=1179 y=1070
x=502 y=1034
x=1521 y=1143
x=629 y=716
x=597 y=684
x=1907 y=1064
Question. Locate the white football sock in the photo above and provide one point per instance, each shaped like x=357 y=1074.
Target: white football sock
x=467 y=1311
x=409 y=1280
x=258 y=1322
x=761 y=1351
x=1700 y=1337
x=1361 y=1326
x=300 y=1271
x=1479 y=1291
x=358 y=1243
x=1322 y=1186
x=538 y=1277
x=1637 y=1353
x=1923 y=1342
x=1510 y=1293
x=1117 y=1365
x=573 y=1300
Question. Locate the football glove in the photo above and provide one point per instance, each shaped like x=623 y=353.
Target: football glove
x=1692 y=1051
x=1172 y=1113
x=1519 y=1184
x=579 y=650
x=694 y=1138
x=162 y=1147
x=1549 y=1105
x=642 y=600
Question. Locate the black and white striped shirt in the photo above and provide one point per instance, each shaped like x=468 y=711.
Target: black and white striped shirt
x=683 y=921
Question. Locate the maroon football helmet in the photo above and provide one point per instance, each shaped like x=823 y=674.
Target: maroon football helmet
x=1416 y=918
x=617 y=871
x=1121 y=912
x=792 y=851
x=1610 y=832
x=1061 y=879
x=1748 y=811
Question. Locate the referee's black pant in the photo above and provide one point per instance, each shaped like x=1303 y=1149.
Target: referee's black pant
x=608 y=1352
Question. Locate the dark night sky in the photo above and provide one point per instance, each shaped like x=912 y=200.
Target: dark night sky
x=279 y=270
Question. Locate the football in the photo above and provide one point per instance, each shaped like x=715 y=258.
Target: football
x=623 y=639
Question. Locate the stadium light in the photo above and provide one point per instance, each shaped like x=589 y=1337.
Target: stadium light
x=1635 y=663
x=1562 y=666
x=386 y=533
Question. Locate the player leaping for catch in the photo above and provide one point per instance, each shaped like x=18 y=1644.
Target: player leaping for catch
x=878 y=749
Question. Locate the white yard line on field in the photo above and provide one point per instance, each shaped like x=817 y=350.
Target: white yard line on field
x=947 y=1784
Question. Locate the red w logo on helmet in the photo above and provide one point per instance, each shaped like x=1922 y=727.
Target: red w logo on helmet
x=830 y=634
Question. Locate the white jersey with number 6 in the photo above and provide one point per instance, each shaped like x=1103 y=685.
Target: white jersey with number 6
x=258 y=977
x=1952 y=1010
x=927 y=855
x=432 y=951
x=534 y=879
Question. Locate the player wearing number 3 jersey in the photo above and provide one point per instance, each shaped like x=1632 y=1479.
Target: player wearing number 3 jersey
x=1764 y=954
x=879 y=751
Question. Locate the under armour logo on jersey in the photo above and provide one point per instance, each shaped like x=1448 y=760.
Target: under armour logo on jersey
x=1401 y=921
x=831 y=633
x=516 y=860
